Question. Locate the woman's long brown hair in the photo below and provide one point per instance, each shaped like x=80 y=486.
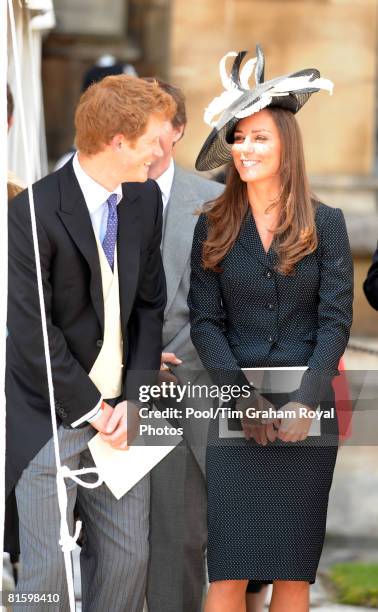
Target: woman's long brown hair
x=295 y=236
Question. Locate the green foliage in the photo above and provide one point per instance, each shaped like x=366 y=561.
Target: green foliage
x=356 y=583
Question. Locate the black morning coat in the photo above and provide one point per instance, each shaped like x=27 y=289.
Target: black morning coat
x=74 y=306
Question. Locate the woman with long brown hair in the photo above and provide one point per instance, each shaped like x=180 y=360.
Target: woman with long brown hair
x=271 y=287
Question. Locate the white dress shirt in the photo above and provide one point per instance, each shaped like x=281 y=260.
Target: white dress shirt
x=95 y=196
x=165 y=181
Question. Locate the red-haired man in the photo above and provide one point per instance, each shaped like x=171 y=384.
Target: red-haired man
x=99 y=230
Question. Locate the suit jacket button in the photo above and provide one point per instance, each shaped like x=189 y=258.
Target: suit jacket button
x=268 y=274
x=270 y=306
x=99 y=343
x=270 y=339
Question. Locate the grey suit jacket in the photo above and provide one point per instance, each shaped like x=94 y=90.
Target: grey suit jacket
x=189 y=192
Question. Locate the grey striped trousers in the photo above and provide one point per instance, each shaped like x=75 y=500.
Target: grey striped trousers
x=114 y=554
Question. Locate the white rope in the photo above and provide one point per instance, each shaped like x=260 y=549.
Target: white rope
x=3 y=257
x=66 y=541
x=68 y=473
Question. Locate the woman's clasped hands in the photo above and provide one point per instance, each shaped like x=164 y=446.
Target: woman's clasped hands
x=292 y=427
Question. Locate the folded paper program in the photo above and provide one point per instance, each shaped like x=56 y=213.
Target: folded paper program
x=121 y=470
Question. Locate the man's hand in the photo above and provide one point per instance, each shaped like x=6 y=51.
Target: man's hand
x=115 y=432
x=170 y=358
x=101 y=422
x=166 y=375
x=114 y=427
x=294 y=429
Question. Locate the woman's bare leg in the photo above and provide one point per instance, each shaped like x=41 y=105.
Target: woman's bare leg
x=255 y=601
x=291 y=596
x=226 y=596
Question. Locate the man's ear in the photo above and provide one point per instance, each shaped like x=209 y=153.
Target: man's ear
x=178 y=133
x=117 y=142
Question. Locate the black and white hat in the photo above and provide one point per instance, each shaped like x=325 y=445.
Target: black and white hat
x=239 y=100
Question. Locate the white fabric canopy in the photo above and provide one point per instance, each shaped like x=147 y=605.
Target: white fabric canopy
x=39 y=5
x=33 y=18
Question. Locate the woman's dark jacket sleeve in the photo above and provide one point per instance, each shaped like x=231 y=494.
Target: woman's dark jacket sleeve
x=335 y=307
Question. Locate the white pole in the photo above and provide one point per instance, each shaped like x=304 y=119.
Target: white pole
x=3 y=257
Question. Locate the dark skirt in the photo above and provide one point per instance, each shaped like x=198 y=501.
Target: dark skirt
x=267 y=506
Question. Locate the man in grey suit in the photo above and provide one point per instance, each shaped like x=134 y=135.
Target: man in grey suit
x=178 y=533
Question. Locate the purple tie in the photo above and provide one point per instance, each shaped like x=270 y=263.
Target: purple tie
x=110 y=238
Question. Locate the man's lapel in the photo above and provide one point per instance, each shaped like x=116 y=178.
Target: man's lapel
x=178 y=235
x=129 y=233
x=75 y=217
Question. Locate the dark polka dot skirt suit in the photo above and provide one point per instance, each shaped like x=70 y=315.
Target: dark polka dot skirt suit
x=267 y=506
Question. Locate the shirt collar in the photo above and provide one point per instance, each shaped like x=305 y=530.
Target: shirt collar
x=95 y=195
x=165 y=181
